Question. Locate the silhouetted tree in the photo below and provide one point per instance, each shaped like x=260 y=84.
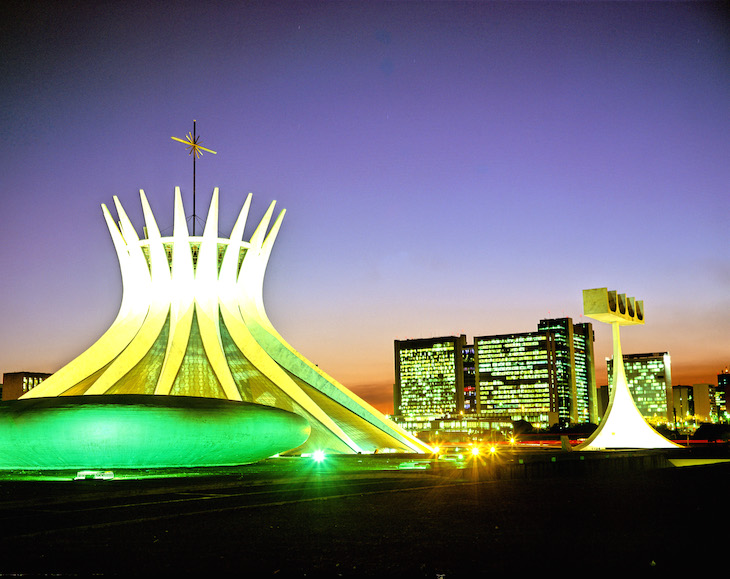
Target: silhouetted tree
x=522 y=427
x=712 y=432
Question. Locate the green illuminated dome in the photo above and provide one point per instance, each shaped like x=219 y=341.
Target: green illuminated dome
x=141 y=431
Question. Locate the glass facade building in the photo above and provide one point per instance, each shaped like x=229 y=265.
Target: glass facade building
x=721 y=395
x=470 y=390
x=585 y=374
x=429 y=376
x=694 y=405
x=683 y=405
x=649 y=377
x=562 y=333
x=545 y=377
x=517 y=377
x=574 y=369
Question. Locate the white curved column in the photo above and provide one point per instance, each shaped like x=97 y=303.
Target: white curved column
x=158 y=308
x=181 y=299
x=206 y=302
x=623 y=425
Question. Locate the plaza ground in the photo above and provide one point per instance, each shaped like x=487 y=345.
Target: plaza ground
x=366 y=516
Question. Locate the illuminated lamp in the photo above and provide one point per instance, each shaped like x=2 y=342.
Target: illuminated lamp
x=623 y=426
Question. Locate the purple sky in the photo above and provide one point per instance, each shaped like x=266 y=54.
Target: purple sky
x=446 y=167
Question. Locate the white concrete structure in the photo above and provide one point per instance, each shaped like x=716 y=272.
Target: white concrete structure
x=192 y=323
x=623 y=426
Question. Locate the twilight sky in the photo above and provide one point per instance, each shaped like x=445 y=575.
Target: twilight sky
x=447 y=167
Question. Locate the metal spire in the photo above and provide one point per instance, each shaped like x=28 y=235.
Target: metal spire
x=194 y=149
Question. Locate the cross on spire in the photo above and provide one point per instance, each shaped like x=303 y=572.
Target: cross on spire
x=192 y=142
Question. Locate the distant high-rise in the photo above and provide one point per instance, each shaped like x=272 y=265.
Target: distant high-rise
x=470 y=390
x=516 y=377
x=16 y=384
x=649 y=377
x=544 y=377
x=585 y=373
x=721 y=394
x=575 y=369
x=694 y=404
x=683 y=404
x=429 y=378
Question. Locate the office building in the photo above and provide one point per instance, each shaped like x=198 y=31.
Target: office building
x=603 y=398
x=585 y=374
x=470 y=389
x=517 y=377
x=721 y=395
x=545 y=377
x=16 y=384
x=693 y=405
x=574 y=368
x=429 y=379
x=649 y=378
x=683 y=405
x=705 y=407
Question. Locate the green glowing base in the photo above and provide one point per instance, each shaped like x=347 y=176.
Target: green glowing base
x=142 y=431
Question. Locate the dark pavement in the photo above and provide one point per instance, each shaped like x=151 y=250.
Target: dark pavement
x=317 y=521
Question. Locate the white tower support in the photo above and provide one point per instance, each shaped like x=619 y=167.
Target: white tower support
x=623 y=426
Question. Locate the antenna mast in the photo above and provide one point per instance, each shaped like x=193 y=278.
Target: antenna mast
x=194 y=149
